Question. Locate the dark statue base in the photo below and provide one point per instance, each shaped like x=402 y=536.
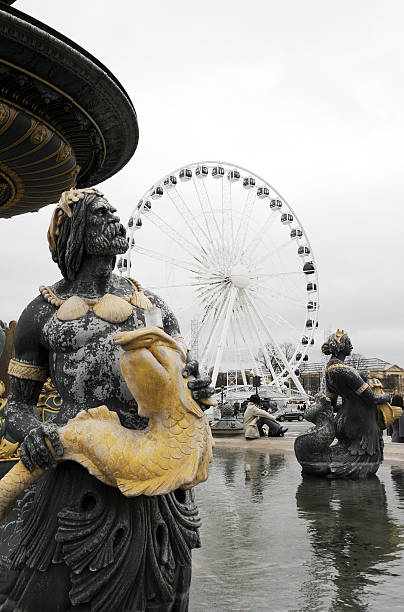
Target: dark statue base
x=84 y=547
x=354 y=457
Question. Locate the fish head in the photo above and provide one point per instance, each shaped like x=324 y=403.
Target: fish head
x=151 y=364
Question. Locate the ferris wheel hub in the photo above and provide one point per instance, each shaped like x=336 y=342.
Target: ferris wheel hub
x=240 y=276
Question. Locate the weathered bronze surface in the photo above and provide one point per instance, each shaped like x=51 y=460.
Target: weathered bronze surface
x=173 y=451
x=64 y=118
x=84 y=545
x=359 y=450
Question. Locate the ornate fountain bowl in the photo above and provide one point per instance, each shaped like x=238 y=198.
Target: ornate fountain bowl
x=65 y=120
x=36 y=165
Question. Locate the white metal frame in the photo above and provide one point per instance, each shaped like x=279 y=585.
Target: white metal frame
x=218 y=237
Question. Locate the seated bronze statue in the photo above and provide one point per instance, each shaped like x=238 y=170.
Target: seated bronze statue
x=357 y=423
x=120 y=539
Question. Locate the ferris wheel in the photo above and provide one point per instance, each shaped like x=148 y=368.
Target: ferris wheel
x=232 y=259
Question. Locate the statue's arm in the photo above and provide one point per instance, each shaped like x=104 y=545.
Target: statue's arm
x=363 y=390
x=28 y=370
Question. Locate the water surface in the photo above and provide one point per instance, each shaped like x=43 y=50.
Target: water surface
x=273 y=541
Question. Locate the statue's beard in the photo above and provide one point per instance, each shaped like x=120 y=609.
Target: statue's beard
x=111 y=242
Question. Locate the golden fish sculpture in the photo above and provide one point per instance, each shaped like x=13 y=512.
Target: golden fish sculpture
x=173 y=451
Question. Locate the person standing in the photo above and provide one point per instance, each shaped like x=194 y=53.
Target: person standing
x=397 y=434
x=255 y=418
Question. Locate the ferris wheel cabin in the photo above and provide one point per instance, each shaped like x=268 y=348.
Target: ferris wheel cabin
x=185 y=175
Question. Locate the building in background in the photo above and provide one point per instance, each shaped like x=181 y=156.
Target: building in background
x=390 y=375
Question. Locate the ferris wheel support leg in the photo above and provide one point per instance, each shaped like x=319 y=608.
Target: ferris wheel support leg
x=222 y=308
x=239 y=360
x=223 y=335
x=256 y=366
x=285 y=362
x=264 y=350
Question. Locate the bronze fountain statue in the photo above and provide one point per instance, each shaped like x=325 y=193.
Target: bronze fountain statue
x=110 y=522
x=357 y=423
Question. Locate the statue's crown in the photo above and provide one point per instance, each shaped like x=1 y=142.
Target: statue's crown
x=338 y=334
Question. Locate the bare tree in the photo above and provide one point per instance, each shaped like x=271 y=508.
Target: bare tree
x=287 y=348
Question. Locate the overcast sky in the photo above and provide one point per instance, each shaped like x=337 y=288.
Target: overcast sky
x=308 y=94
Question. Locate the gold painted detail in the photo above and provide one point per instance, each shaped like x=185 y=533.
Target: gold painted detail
x=386 y=413
x=111 y=308
x=331 y=395
x=362 y=388
x=335 y=366
x=27 y=371
x=338 y=334
x=138 y=297
x=139 y=300
x=49 y=402
x=73 y=308
x=50 y=297
x=24 y=195
x=71 y=99
x=4 y=113
x=9 y=450
x=14 y=182
x=63 y=153
x=174 y=451
x=39 y=134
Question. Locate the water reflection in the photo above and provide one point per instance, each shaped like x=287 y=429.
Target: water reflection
x=271 y=541
x=354 y=541
x=260 y=469
x=397 y=476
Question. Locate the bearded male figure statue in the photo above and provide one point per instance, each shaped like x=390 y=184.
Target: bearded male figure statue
x=84 y=546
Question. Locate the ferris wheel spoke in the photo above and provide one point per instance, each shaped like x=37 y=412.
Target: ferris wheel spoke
x=179 y=286
x=215 y=301
x=278 y=294
x=258 y=237
x=277 y=318
x=227 y=234
x=179 y=263
x=269 y=254
x=202 y=325
x=256 y=327
x=171 y=233
x=264 y=344
x=205 y=212
x=279 y=274
x=208 y=211
x=216 y=326
x=244 y=222
x=237 y=347
x=254 y=361
x=223 y=333
x=282 y=357
x=212 y=294
x=189 y=218
x=249 y=325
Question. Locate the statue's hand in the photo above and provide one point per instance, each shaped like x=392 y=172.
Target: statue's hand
x=34 y=449
x=200 y=386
